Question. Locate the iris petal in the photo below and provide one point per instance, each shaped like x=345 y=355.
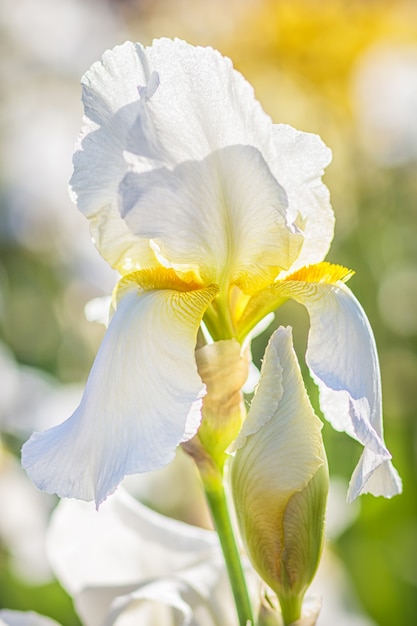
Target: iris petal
x=343 y=360
x=148 y=110
x=298 y=163
x=127 y=543
x=153 y=107
x=134 y=565
x=142 y=398
x=210 y=216
x=111 y=107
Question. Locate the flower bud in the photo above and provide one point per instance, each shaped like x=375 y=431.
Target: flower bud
x=280 y=479
x=223 y=367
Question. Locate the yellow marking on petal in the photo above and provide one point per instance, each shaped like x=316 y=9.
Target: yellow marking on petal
x=322 y=273
x=157 y=278
x=251 y=283
x=187 y=297
x=296 y=286
x=238 y=301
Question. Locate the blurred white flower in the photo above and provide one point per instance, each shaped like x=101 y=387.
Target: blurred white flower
x=397 y=299
x=23 y=522
x=66 y=35
x=9 y=375
x=31 y=398
x=340 y=606
x=129 y=565
x=24 y=618
x=384 y=88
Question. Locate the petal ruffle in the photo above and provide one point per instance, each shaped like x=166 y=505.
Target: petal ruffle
x=298 y=163
x=143 y=397
x=153 y=107
x=343 y=361
x=149 y=110
x=111 y=107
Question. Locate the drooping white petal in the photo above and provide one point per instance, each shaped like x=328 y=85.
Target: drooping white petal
x=143 y=397
x=343 y=360
x=129 y=563
x=211 y=216
x=298 y=163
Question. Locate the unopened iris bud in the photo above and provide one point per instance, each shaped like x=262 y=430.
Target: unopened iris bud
x=223 y=368
x=280 y=479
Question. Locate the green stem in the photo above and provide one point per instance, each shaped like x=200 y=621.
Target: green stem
x=216 y=498
x=291 y=609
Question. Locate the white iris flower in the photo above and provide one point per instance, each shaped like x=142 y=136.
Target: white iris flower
x=211 y=214
x=130 y=565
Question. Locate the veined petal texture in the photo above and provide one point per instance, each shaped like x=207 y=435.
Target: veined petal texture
x=143 y=397
x=343 y=361
x=159 y=123
x=223 y=217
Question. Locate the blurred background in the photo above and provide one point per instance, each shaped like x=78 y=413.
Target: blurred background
x=345 y=69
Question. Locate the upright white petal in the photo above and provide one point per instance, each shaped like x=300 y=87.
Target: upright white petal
x=298 y=163
x=161 y=105
x=111 y=107
x=223 y=216
x=149 y=110
x=143 y=397
x=343 y=360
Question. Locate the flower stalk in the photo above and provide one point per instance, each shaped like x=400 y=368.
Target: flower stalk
x=223 y=368
x=218 y=505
